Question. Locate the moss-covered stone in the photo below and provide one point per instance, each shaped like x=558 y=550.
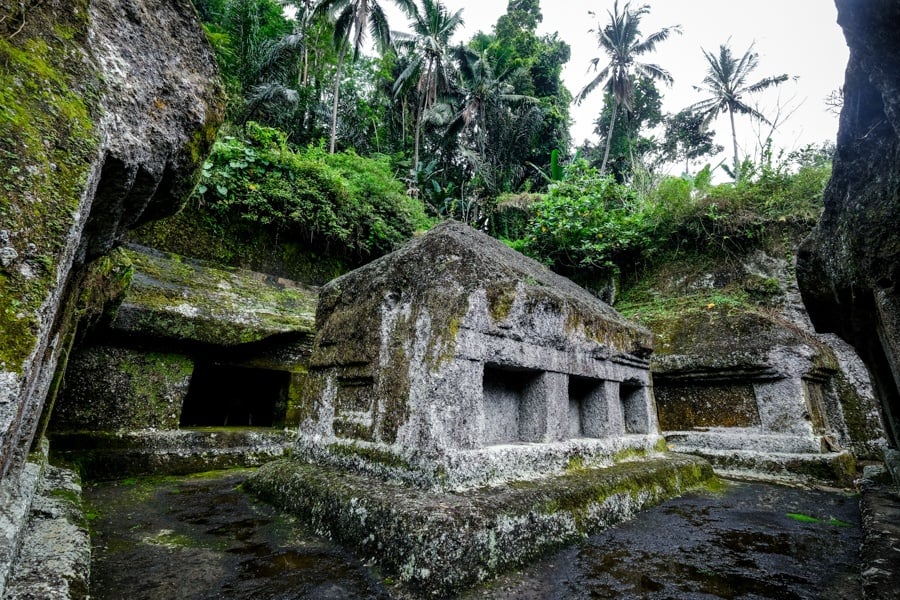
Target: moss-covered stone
x=182 y=300
x=438 y=543
x=416 y=351
x=197 y=233
x=116 y=389
x=48 y=141
x=102 y=455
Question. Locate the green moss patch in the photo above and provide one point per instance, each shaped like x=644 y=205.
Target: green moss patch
x=439 y=543
x=177 y=298
x=808 y=519
x=47 y=145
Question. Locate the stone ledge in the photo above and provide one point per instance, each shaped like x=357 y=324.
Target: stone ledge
x=879 y=556
x=781 y=467
x=747 y=439
x=111 y=455
x=54 y=560
x=491 y=465
x=439 y=543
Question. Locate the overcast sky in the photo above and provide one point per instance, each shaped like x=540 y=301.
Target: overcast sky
x=797 y=37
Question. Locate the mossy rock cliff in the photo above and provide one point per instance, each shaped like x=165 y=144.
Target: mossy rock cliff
x=108 y=109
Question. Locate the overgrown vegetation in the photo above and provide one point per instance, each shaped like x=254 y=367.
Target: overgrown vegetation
x=478 y=132
x=588 y=222
x=344 y=200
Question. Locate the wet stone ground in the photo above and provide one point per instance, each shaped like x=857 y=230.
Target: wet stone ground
x=200 y=538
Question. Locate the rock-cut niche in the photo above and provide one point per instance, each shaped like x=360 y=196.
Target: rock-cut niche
x=222 y=395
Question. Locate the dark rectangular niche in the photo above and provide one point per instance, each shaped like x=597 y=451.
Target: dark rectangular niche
x=506 y=404
x=684 y=407
x=634 y=407
x=229 y=396
x=586 y=401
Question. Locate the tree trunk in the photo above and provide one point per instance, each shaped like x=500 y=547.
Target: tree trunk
x=420 y=113
x=422 y=106
x=612 y=124
x=337 y=90
x=737 y=173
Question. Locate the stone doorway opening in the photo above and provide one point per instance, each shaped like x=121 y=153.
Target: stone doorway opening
x=222 y=395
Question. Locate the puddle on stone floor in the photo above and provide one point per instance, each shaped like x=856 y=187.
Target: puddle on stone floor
x=738 y=544
x=201 y=538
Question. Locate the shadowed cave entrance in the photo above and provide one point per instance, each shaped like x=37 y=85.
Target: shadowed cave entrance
x=229 y=396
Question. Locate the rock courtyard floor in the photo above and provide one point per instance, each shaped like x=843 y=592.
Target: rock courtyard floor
x=199 y=537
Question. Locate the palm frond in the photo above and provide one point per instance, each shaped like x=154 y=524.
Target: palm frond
x=600 y=79
x=766 y=83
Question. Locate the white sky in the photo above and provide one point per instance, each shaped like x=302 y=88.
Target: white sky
x=797 y=37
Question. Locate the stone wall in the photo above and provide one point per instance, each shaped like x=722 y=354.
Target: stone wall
x=849 y=269
x=112 y=105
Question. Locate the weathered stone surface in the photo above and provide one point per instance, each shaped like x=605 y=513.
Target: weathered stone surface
x=849 y=269
x=738 y=367
x=17 y=492
x=880 y=560
x=438 y=543
x=54 y=561
x=112 y=106
x=182 y=300
x=456 y=343
x=105 y=455
x=115 y=389
x=738 y=379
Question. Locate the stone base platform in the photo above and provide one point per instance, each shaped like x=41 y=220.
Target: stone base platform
x=438 y=543
x=54 y=560
x=832 y=468
x=108 y=455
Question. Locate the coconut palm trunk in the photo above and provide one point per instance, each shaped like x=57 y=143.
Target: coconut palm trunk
x=737 y=172
x=612 y=125
x=337 y=91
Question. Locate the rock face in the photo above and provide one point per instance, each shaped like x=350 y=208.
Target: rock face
x=849 y=269
x=110 y=108
x=740 y=376
x=461 y=353
x=189 y=344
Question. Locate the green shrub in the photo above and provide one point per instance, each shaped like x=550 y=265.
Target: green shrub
x=588 y=221
x=347 y=203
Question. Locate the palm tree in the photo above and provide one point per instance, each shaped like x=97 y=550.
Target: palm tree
x=622 y=42
x=726 y=82
x=353 y=18
x=498 y=121
x=429 y=66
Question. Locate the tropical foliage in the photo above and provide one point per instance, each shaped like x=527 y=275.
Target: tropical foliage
x=353 y=151
x=727 y=84
x=343 y=201
x=621 y=41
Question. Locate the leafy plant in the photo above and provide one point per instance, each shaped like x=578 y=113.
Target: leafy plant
x=343 y=200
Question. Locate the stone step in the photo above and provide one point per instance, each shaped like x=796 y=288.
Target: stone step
x=734 y=438
x=438 y=543
x=54 y=558
x=112 y=455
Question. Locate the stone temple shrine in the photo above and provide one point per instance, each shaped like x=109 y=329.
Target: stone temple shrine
x=465 y=361
x=465 y=409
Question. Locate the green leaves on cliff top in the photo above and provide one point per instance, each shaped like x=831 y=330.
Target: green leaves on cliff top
x=352 y=203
